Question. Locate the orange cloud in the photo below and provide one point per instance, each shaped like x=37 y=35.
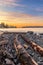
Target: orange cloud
x=19 y=19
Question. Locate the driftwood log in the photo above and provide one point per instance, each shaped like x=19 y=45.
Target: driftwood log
x=24 y=57
x=35 y=46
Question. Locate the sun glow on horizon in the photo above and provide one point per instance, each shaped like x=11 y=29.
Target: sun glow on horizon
x=20 y=20
x=23 y=24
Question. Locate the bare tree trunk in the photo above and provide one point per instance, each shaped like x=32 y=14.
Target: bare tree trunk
x=24 y=57
x=35 y=46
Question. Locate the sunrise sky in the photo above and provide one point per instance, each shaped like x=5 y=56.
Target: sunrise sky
x=21 y=12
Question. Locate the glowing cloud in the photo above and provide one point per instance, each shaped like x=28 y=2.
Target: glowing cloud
x=19 y=19
x=9 y=3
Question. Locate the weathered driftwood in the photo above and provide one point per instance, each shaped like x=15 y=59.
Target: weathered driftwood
x=35 y=46
x=3 y=42
x=24 y=57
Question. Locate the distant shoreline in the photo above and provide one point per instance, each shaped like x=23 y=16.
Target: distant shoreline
x=33 y=27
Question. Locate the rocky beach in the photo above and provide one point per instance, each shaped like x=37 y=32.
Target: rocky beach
x=9 y=54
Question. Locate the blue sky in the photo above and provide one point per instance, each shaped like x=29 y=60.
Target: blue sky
x=18 y=12
x=32 y=7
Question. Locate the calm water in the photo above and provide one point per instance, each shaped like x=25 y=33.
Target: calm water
x=38 y=30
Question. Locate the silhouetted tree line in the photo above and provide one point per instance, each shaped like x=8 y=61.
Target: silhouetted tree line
x=2 y=25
